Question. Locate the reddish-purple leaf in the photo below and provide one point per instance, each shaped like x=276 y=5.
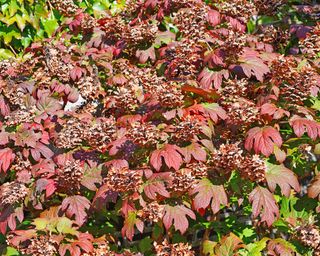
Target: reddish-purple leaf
x=4 y=108
x=283 y=177
x=195 y=150
x=144 y=55
x=273 y=111
x=177 y=215
x=214 y=17
x=156 y=185
x=302 y=125
x=207 y=193
x=170 y=154
x=314 y=188
x=263 y=203
x=76 y=205
x=214 y=111
x=263 y=139
x=207 y=77
x=6 y=158
x=76 y=73
x=130 y=221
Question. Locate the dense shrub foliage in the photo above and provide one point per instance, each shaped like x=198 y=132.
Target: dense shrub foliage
x=159 y=127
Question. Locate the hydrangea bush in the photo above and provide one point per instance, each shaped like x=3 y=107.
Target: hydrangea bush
x=163 y=127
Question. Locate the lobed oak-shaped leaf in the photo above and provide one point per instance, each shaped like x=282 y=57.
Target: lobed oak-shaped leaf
x=263 y=203
x=6 y=158
x=76 y=205
x=177 y=215
x=208 y=193
x=262 y=140
x=171 y=155
x=213 y=110
x=301 y=125
x=91 y=176
x=283 y=177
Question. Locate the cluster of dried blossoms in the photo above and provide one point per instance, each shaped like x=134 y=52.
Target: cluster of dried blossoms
x=230 y=157
x=178 y=249
x=165 y=113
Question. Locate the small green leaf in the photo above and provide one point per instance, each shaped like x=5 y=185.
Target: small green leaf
x=50 y=25
x=145 y=244
x=10 y=251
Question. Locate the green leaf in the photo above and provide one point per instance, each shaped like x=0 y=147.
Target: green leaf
x=208 y=247
x=40 y=223
x=10 y=251
x=50 y=25
x=145 y=244
x=254 y=249
x=64 y=225
x=21 y=22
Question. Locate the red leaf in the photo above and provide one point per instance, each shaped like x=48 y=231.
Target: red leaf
x=177 y=215
x=4 y=108
x=76 y=73
x=6 y=158
x=253 y=65
x=214 y=111
x=91 y=176
x=283 y=177
x=301 y=125
x=214 y=17
x=195 y=150
x=206 y=77
x=263 y=139
x=156 y=185
x=144 y=55
x=170 y=155
x=273 y=111
x=214 y=59
x=76 y=205
x=130 y=221
x=263 y=203
x=314 y=189
x=206 y=193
